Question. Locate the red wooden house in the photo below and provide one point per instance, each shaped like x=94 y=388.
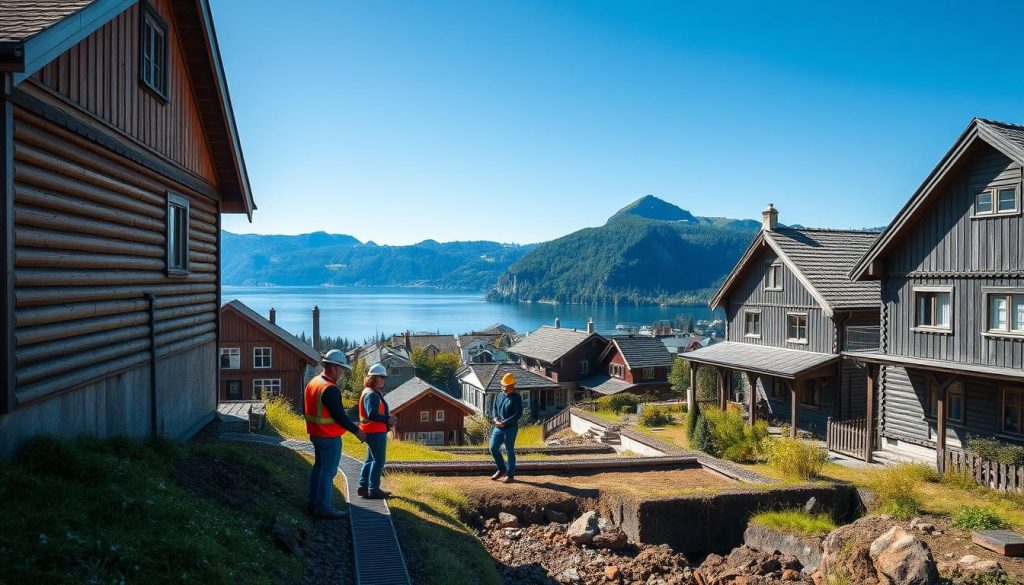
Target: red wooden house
x=562 y=355
x=257 y=357
x=427 y=414
x=632 y=363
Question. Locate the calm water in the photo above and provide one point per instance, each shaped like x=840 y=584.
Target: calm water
x=358 y=313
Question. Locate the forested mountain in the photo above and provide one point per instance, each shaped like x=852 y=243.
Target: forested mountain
x=320 y=258
x=648 y=252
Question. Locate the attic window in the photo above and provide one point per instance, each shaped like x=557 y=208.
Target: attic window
x=153 y=51
x=996 y=201
x=773 y=277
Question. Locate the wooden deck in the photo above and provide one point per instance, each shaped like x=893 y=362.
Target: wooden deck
x=236 y=415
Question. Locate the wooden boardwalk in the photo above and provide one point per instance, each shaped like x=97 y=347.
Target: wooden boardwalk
x=235 y=414
x=376 y=550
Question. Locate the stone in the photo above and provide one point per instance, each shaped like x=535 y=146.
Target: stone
x=845 y=550
x=975 y=565
x=817 y=578
x=556 y=516
x=611 y=540
x=768 y=566
x=514 y=533
x=744 y=557
x=811 y=506
x=612 y=573
x=804 y=547
x=920 y=524
x=790 y=575
x=903 y=558
x=506 y=520
x=583 y=529
x=604 y=524
x=570 y=575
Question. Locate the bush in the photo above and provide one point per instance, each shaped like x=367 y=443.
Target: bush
x=284 y=420
x=978 y=518
x=734 y=439
x=691 y=420
x=959 y=479
x=624 y=402
x=996 y=450
x=655 y=416
x=796 y=458
x=796 y=521
x=701 y=439
x=895 y=488
x=476 y=430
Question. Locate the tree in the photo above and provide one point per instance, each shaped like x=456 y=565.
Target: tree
x=354 y=384
x=679 y=377
x=435 y=369
x=707 y=384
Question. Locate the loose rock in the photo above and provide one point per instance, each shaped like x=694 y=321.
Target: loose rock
x=584 y=528
x=903 y=558
x=506 y=520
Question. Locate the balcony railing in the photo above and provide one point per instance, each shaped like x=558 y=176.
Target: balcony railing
x=862 y=337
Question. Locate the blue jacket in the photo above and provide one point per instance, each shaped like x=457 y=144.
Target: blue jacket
x=508 y=408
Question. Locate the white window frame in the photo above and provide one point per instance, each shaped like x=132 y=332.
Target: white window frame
x=992 y=191
x=256 y=356
x=615 y=370
x=988 y=294
x=648 y=373
x=918 y=290
x=271 y=385
x=747 y=333
x=798 y=340
x=953 y=388
x=439 y=415
x=584 y=367
x=424 y=416
x=773 y=277
x=234 y=355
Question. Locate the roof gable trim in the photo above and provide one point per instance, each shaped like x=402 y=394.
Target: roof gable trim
x=431 y=390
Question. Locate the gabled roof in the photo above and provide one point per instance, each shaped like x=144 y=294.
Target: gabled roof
x=304 y=349
x=415 y=388
x=486 y=338
x=375 y=353
x=781 y=362
x=1006 y=138
x=820 y=259
x=490 y=375
x=640 y=351
x=499 y=328
x=550 y=344
x=35 y=32
x=443 y=342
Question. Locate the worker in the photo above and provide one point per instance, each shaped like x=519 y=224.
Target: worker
x=376 y=420
x=506 y=411
x=326 y=422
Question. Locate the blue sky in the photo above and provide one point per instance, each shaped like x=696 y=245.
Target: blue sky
x=523 y=121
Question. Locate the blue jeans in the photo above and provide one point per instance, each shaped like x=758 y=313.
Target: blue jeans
x=373 y=467
x=326 y=456
x=507 y=437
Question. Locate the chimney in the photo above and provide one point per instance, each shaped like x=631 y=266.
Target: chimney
x=770 y=218
x=590 y=325
x=558 y=323
x=273 y=316
x=316 y=327
x=408 y=342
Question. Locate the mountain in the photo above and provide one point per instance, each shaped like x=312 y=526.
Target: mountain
x=648 y=252
x=329 y=259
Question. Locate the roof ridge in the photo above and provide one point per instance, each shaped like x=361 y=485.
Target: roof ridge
x=1000 y=123
x=839 y=230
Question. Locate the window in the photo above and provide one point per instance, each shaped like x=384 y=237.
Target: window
x=615 y=370
x=265 y=388
x=954 y=402
x=233 y=389
x=996 y=201
x=752 y=323
x=261 y=357
x=796 y=328
x=777 y=389
x=153 y=52
x=439 y=416
x=177 y=234
x=1006 y=312
x=648 y=374
x=584 y=366
x=810 y=394
x=230 y=358
x=934 y=309
x=1013 y=410
x=424 y=416
x=773 y=277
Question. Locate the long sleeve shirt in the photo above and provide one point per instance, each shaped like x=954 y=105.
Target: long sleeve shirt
x=331 y=399
x=371 y=404
x=508 y=408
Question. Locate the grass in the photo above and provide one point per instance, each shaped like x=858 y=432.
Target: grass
x=796 y=521
x=796 y=458
x=978 y=518
x=121 y=510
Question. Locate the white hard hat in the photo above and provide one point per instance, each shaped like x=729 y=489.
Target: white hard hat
x=378 y=370
x=336 y=357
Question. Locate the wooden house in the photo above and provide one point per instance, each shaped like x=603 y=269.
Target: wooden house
x=562 y=355
x=431 y=343
x=118 y=155
x=631 y=363
x=395 y=359
x=951 y=358
x=791 y=309
x=483 y=348
x=481 y=383
x=427 y=414
x=259 y=358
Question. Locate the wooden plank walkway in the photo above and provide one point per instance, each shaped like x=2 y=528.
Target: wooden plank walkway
x=376 y=550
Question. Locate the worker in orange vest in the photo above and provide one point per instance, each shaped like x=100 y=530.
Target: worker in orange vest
x=375 y=419
x=326 y=422
x=506 y=411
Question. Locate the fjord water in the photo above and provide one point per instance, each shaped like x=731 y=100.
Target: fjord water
x=361 y=312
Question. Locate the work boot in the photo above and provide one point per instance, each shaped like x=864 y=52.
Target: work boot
x=377 y=495
x=497 y=475
x=361 y=492
x=329 y=514
x=509 y=479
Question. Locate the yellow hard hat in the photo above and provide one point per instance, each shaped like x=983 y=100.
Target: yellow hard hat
x=508 y=380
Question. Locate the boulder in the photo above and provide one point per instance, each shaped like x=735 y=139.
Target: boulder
x=790 y=575
x=506 y=520
x=974 y=565
x=612 y=540
x=806 y=548
x=584 y=529
x=811 y=507
x=903 y=558
x=556 y=516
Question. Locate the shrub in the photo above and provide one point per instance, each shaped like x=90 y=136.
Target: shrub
x=978 y=518
x=796 y=458
x=734 y=439
x=655 y=416
x=701 y=439
x=996 y=450
x=796 y=521
x=691 y=420
x=624 y=402
x=959 y=479
x=895 y=488
x=283 y=420
x=476 y=430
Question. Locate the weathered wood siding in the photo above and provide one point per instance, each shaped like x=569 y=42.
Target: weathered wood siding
x=452 y=425
x=286 y=363
x=774 y=305
x=100 y=76
x=811 y=419
x=854 y=380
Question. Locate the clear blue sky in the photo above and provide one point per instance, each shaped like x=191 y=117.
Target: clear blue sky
x=523 y=121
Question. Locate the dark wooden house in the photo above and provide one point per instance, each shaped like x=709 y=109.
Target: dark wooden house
x=951 y=359
x=631 y=363
x=395 y=359
x=791 y=309
x=259 y=358
x=118 y=155
x=427 y=414
x=431 y=343
x=562 y=355
x=481 y=383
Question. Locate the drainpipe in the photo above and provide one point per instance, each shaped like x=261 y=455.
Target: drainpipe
x=151 y=298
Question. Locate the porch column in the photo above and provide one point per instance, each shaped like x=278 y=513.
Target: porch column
x=721 y=387
x=752 y=397
x=869 y=447
x=794 y=387
x=691 y=392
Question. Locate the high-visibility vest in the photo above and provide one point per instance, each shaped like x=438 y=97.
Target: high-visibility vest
x=365 y=423
x=318 y=420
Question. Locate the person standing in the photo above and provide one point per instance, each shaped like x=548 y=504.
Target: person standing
x=326 y=422
x=375 y=419
x=506 y=412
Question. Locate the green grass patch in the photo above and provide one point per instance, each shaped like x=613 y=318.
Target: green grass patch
x=978 y=518
x=131 y=511
x=796 y=521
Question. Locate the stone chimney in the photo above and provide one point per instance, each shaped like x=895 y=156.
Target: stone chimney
x=558 y=323
x=316 y=327
x=408 y=342
x=273 y=316
x=590 y=325
x=769 y=218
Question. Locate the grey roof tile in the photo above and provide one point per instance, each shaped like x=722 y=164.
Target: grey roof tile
x=299 y=346
x=826 y=257
x=764 y=359
x=443 y=342
x=21 y=20
x=1011 y=132
x=490 y=376
x=549 y=344
x=642 y=352
x=607 y=385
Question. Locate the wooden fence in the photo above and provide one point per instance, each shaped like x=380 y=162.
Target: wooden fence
x=988 y=473
x=556 y=423
x=848 y=437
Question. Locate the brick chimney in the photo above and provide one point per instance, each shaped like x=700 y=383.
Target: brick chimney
x=558 y=323
x=769 y=218
x=273 y=316
x=408 y=342
x=316 y=327
x=590 y=325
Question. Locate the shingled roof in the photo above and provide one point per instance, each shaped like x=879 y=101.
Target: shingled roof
x=490 y=376
x=21 y=20
x=306 y=350
x=413 y=389
x=443 y=342
x=549 y=344
x=641 y=351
